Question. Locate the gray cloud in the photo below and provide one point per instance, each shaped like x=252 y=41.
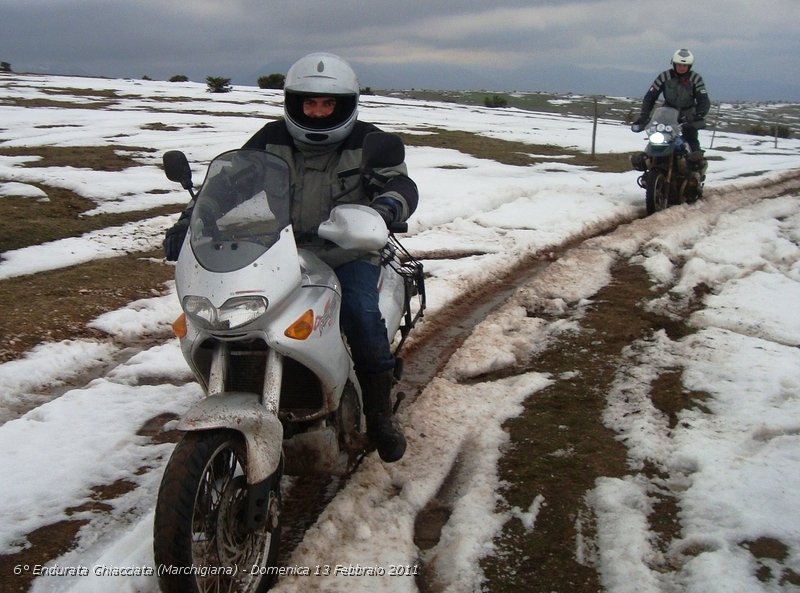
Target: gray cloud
x=612 y=47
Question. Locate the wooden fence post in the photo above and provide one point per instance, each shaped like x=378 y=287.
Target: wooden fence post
x=594 y=126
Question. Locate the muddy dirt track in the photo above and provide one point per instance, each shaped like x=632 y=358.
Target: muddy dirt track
x=565 y=417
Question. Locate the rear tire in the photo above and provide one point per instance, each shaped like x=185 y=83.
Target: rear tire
x=656 y=191
x=199 y=528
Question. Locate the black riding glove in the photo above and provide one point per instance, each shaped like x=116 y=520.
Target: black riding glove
x=388 y=208
x=698 y=122
x=173 y=239
x=639 y=124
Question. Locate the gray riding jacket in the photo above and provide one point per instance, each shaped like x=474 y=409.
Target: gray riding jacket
x=327 y=175
x=686 y=93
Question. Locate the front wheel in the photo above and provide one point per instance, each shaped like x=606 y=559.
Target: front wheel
x=656 y=191
x=201 y=538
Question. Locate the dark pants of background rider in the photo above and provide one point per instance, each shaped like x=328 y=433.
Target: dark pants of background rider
x=689 y=136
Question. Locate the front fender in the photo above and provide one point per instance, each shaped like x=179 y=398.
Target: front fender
x=244 y=413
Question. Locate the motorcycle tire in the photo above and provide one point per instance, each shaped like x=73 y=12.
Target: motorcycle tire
x=694 y=191
x=656 y=191
x=681 y=193
x=201 y=542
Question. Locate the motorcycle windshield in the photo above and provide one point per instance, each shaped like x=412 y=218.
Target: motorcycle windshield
x=240 y=210
x=664 y=119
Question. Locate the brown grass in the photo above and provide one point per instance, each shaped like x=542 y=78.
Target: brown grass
x=57 y=305
x=516 y=153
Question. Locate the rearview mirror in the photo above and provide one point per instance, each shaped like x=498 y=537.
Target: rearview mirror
x=382 y=149
x=177 y=168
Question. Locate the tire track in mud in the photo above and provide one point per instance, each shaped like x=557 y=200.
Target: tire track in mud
x=429 y=348
x=560 y=443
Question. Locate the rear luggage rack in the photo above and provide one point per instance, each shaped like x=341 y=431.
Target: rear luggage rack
x=410 y=269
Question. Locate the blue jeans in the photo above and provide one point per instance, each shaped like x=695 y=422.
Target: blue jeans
x=361 y=319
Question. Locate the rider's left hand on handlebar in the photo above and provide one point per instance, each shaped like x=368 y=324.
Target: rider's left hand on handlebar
x=699 y=122
x=388 y=208
x=696 y=122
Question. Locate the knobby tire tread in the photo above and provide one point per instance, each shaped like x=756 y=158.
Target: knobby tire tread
x=172 y=544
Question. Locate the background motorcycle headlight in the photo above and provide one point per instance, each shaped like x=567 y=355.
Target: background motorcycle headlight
x=233 y=313
x=658 y=138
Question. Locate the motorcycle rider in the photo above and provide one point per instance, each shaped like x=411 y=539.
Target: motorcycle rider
x=321 y=138
x=683 y=89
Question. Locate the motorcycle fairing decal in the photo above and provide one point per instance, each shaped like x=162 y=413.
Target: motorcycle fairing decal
x=326 y=319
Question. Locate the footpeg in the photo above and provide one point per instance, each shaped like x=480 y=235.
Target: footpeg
x=399 y=397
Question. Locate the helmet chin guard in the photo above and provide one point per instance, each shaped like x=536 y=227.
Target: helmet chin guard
x=321 y=75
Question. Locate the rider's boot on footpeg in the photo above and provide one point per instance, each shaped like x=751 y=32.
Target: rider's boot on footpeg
x=382 y=430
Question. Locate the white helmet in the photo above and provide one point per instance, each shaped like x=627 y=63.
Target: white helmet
x=320 y=75
x=683 y=56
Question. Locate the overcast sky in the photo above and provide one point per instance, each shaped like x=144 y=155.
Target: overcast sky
x=744 y=49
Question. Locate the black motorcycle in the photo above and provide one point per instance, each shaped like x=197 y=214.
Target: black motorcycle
x=670 y=174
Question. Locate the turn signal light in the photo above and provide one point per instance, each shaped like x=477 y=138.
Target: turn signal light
x=179 y=326
x=301 y=328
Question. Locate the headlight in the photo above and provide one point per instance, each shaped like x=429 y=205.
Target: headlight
x=657 y=138
x=235 y=312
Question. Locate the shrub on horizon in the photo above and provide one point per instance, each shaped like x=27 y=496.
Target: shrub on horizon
x=495 y=101
x=272 y=81
x=217 y=84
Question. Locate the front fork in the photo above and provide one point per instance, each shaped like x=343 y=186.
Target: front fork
x=253 y=415
x=668 y=172
x=263 y=505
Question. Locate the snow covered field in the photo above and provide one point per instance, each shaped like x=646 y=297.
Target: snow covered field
x=733 y=463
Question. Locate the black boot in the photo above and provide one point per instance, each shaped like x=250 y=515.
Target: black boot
x=381 y=429
x=697 y=160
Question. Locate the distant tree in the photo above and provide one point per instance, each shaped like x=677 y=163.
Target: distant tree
x=217 y=84
x=272 y=81
x=179 y=78
x=367 y=91
x=495 y=101
x=146 y=77
x=5 y=67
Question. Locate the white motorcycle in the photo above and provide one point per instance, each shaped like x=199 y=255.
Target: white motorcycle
x=260 y=330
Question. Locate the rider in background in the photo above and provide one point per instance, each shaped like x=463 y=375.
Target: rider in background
x=322 y=139
x=684 y=90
